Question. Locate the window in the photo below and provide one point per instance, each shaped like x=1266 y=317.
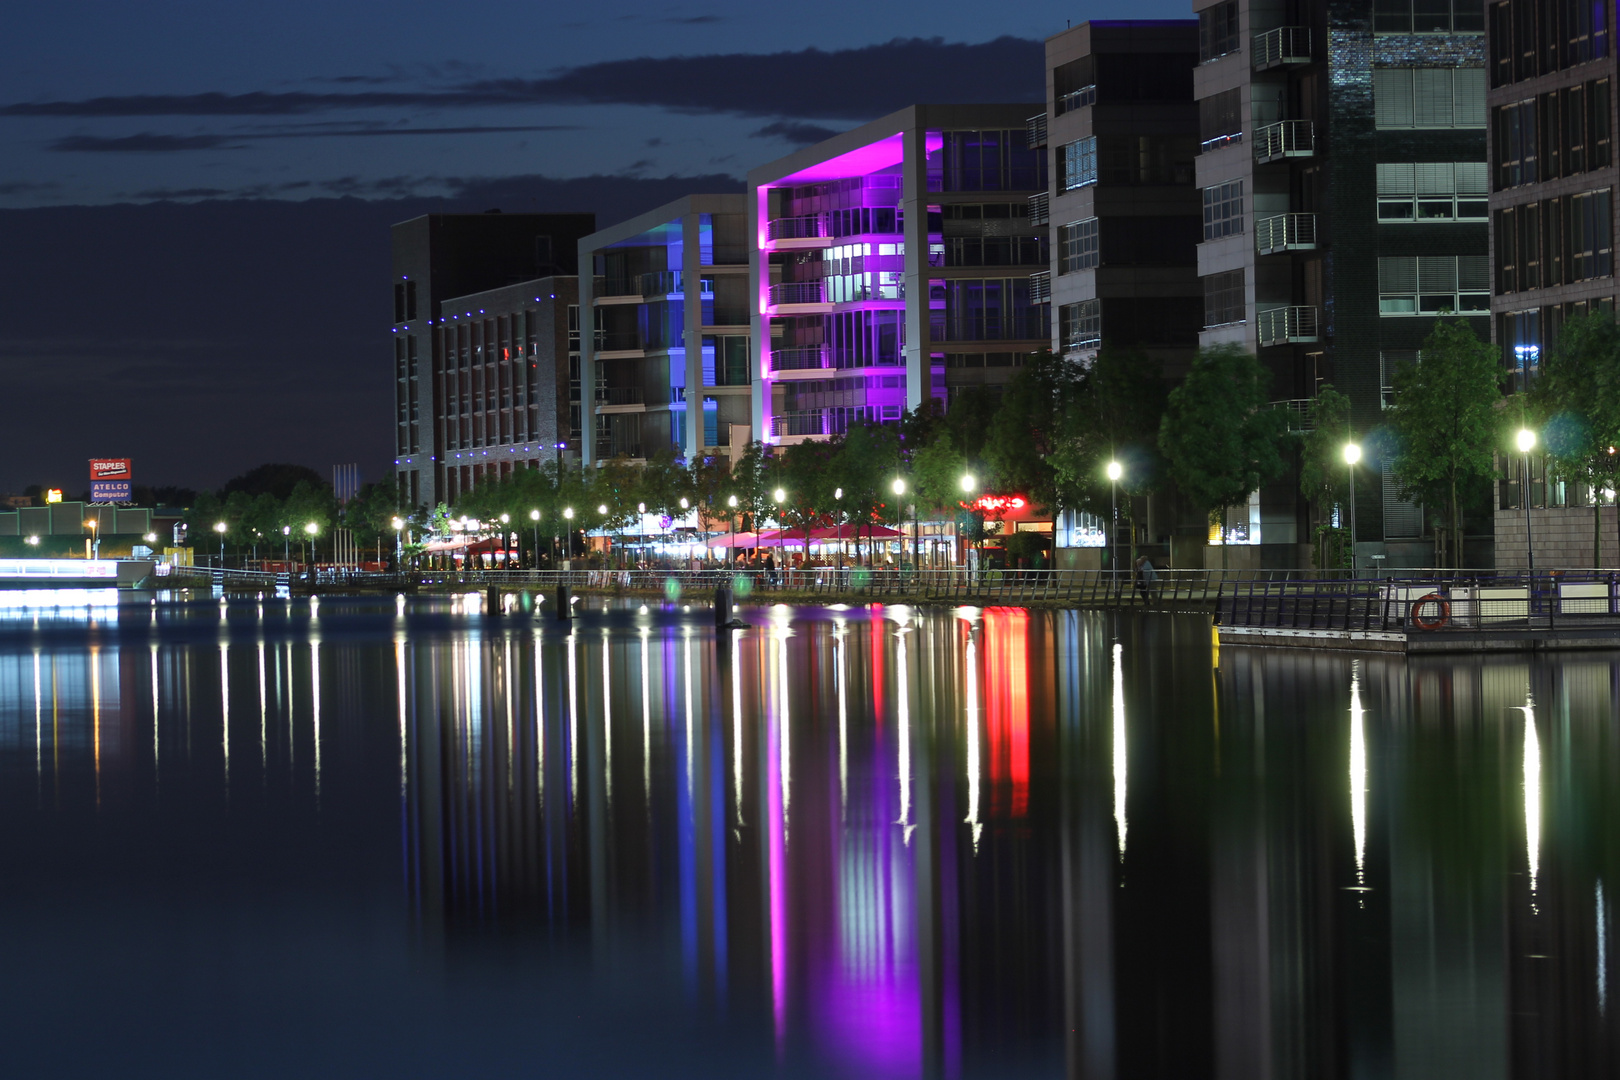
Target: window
x=1081 y=324
x=991 y=310
x=1516 y=144
x=1218 y=31
x=1589 y=245
x=399 y=303
x=1224 y=303
x=1078 y=248
x=1429 y=97
x=1432 y=284
x=1520 y=335
x=410 y=299
x=1432 y=191
x=1554 y=242
x=1220 y=119
x=1390 y=362
x=1534 y=37
x=1223 y=210
x=1079 y=163
x=1428 y=16
x=1074 y=85
x=993 y=160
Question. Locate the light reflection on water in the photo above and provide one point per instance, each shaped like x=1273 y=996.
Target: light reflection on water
x=863 y=842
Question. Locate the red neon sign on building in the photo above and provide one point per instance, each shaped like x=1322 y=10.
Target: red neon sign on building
x=999 y=504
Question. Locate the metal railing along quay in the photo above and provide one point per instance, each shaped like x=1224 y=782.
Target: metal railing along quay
x=1427 y=602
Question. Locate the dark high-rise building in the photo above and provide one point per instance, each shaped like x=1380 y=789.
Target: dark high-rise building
x=1343 y=176
x=1553 y=174
x=438 y=257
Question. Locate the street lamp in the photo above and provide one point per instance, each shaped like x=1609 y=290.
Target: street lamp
x=310 y=530
x=969 y=485
x=1527 y=443
x=568 y=513
x=731 y=519
x=899 y=487
x=1115 y=471
x=286 y=543
x=1352 y=454
x=838 y=496
x=399 y=544
x=95 y=538
x=534 y=516
x=219 y=527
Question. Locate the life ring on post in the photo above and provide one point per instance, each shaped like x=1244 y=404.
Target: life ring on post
x=1442 y=614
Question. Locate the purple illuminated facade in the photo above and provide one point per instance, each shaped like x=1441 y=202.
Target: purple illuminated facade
x=889 y=263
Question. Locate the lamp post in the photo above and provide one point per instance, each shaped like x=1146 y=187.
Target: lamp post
x=560 y=447
x=731 y=520
x=399 y=544
x=534 y=517
x=310 y=529
x=95 y=538
x=899 y=487
x=1115 y=471
x=838 y=497
x=1352 y=454
x=779 y=497
x=220 y=527
x=686 y=505
x=969 y=485
x=286 y=543
x=568 y=515
x=1527 y=443
x=601 y=510
x=641 y=529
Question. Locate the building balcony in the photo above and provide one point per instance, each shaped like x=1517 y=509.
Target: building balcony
x=1284 y=139
x=611 y=287
x=1283 y=46
x=1285 y=232
x=808 y=422
x=1040 y=208
x=797 y=292
x=1301 y=413
x=1040 y=287
x=1035 y=131
x=1075 y=99
x=801 y=358
x=808 y=227
x=1286 y=326
x=620 y=395
x=623 y=343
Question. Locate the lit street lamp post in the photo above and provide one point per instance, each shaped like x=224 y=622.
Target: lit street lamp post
x=534 y=516
x=731 y=520
x=399 y=545
x=1115 y=471
x=1527 y=443
x=568 y=514
x=219 y=527
x=286 y=544
x=969 y=485
x=309 y=531
x=94 y=524
x=1352 y=454
x=838 y=496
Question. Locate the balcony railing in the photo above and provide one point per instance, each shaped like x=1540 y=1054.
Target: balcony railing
x=1040 y=208
x=1284 y=139
x=619 y=395
x=1285 y=232
x=1075 y=99
x=810 y=226
x=803 y=358
x=1284 y=45
x=618 y=341
x=661 y=283
x=1035 y=131
x=1040 y=287
x=797 y=292
x=1287 y=326
x=809 y=422
x=630 y=286
x=1301 y=413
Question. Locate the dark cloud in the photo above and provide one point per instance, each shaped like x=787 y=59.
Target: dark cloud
x=27 y=187
x=846 y=84
x=144 y=143
x=147 y=142
x=803 y=134
x=693 y=20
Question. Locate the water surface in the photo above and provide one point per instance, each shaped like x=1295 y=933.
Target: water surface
x=379 y=837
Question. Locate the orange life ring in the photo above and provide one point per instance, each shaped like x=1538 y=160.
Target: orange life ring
x=1439 y=620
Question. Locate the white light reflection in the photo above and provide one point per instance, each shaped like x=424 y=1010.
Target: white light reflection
x=1358 y=774
x=646 y=722
x=539 y=729
x=1120 y=749
x=39 y=714
x=971 y=721
x=607 y=722
x=1602 y=953
x=1532 y=795
x=904 y=704
x=573 y=725
x=736 y=727
x=315 y=698
x=264 y=703
x=95 y=711
x=225 y=712
x=154 y=651
x=687 y=661
x=840 y=659
x=399 y=693
x=783 y=726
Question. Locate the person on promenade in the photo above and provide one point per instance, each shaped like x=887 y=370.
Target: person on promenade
x=1145 y=577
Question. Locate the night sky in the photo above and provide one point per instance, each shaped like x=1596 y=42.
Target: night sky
x=195 y=197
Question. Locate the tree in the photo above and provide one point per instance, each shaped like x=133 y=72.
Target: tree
x=1445 y=421
x=1576 y=402
x=1028 y=426
x=864 y=468
x=1219 y=440
x=277 y=479
x=1324 y=476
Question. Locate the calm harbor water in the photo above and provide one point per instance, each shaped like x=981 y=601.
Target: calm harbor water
x=372 y=837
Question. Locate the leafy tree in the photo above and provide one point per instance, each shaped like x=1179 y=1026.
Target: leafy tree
x=1324 y=477
x=1219 y=440
x=1576 y=403
x=1445 y=422
x=865 y=467
x=277 y=479
x=804 y=474
x=1028 y=427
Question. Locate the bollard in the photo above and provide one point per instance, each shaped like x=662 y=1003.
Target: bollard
x=565 y=602
x=722 y=605
x=492 y=600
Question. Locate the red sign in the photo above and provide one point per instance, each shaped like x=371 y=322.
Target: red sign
x=111 y=469
x=999 y=504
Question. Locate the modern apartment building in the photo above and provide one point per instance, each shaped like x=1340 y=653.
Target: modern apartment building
x=667 y=294
x=436 y=258
x=890 y=265
x=1343 y=173
x=1553 y=175
x=505 y=383
x=1122 y=130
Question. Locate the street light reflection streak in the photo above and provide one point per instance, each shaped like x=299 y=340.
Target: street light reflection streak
x=904 y=708
x=1120 y=749
x=607 y=723
x=225 y=712
x=1602 y=953
x=264 y=701
x=776 y=855
x=573 y=724
x=39 y=708
x=646 y=723
x=95 y=713
x=1532 y=795
x=1358 y=773
x=971 y=719
x=840 y=659
x=315 y=706
x=736 y=728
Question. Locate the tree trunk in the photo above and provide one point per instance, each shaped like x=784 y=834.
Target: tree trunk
x=1456 y=528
